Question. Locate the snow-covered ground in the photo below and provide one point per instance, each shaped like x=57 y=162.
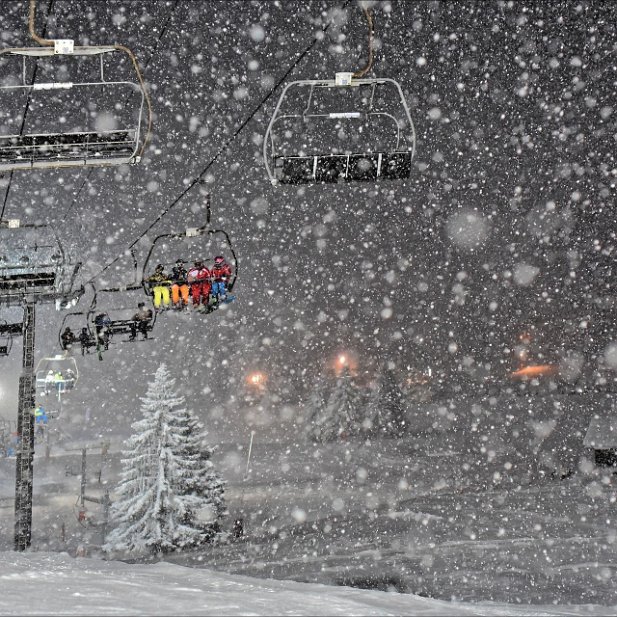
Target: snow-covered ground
x=56 y=584
x=441 y=514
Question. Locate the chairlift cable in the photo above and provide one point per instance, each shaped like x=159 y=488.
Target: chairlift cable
x=223 y=148
x=371 y=30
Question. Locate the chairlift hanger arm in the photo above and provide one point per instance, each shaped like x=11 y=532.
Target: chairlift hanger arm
x=371 y=32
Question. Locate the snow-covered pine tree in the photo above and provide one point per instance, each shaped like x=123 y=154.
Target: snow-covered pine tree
x=341 y=410
x=155 y=510
x=386 y=409
x=315 y=409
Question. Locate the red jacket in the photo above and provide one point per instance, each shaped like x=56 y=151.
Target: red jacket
x=196 y=274
x=221 y=272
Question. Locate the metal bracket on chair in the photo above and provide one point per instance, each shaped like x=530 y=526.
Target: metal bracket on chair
x=63 y=46
x=343 y=79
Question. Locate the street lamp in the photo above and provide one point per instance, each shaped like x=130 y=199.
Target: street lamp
x=345 y=361
x=257 y=380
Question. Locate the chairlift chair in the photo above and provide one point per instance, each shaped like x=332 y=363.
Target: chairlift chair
x=33 y=264
x=66 y=365
x=120 y=316
x=7 y=331
x=76 y=320
x=362 y=130
x=194 y=243
x=37 y=142
x=120 y=322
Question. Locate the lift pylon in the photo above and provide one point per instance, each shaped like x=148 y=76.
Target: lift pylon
x=25 y=431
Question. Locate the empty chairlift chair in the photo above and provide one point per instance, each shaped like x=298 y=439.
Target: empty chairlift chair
x=58 y=108
x=340 y=130
x=7 y=331
x=33 y=265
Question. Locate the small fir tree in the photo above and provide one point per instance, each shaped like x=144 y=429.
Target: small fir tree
x=386 y=410
x=341 y=411
x=157 y=505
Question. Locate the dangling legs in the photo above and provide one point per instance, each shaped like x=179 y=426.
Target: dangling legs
x=184 y=292
x=158 y=296
x=175 y=295
x=165 y=296
x=218 y=289
x=205 y=293
x=195 y=293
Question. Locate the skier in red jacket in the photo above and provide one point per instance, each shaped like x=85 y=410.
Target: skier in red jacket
x=198 y=278
x=221 y=273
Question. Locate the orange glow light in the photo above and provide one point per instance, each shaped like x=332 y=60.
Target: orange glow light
x=256 y=379
x=536 y=370
x=344 y=361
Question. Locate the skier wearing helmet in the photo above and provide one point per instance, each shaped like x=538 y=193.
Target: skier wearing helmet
x=160 y=288
x=49 y=381
x=179 y=285
x=198 y=278
x=221 y=273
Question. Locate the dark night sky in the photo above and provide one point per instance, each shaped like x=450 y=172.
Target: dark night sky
x=512 y=102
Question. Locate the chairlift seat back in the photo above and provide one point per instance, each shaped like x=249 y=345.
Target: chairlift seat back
x=32 y=263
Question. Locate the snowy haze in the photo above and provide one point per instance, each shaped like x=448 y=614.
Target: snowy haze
x=464 y=483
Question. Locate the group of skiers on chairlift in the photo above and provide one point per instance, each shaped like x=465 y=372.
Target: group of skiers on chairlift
x=207 y=287
x=141 y=321
x=68 y=339
x=56 y=380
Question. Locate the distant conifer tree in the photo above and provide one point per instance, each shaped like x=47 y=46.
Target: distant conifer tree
x=158 y=500
x=341 y=410
x=386 y=409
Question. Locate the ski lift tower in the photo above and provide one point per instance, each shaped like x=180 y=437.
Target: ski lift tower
x=32 y=269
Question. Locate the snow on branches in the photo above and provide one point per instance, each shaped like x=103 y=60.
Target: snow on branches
x=167 y=481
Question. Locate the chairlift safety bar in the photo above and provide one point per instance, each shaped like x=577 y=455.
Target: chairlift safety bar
x=40 y=52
